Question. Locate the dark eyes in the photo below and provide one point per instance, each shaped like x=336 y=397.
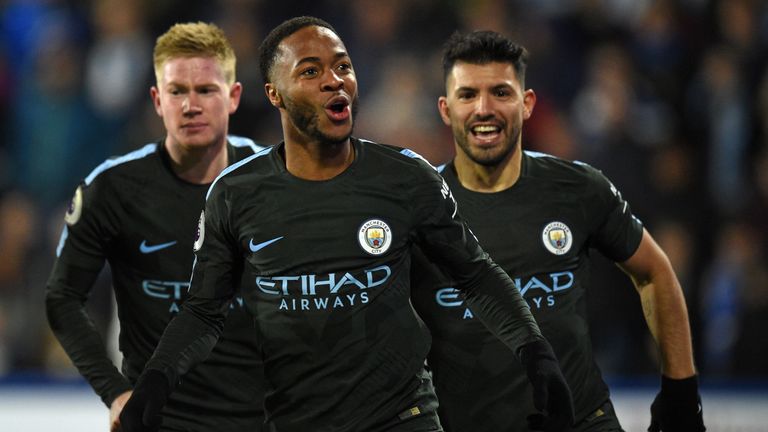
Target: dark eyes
x=310 y=72
x=500 y=93
x=313 y=71
x=202 y=91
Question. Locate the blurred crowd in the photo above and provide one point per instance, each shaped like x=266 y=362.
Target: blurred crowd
x=669 y=98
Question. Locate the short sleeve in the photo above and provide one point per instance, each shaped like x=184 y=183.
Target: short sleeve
x=617 y=232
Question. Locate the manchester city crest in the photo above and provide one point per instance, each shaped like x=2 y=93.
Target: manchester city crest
x=374 y=236
x=75 y=208
x=557 y=238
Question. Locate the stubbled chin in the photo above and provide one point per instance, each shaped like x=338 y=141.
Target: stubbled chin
x=340 y=128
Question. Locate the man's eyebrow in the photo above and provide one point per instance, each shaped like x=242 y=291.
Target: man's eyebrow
x=465 y=88
x=196 y=85
x=338 y=55
x=495 y=87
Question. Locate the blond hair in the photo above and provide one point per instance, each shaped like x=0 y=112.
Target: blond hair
x=195 y=40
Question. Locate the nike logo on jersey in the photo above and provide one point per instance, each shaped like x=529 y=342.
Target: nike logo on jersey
x=257 y=247
x=147 y=249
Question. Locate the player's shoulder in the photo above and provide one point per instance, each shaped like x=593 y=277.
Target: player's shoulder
x=543 y=165
x=244 y=147
x=250 y=169
x=134 y=164
x=401 y=159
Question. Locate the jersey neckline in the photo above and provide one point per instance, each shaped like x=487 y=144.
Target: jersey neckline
x=450 y=173
x=278 y=159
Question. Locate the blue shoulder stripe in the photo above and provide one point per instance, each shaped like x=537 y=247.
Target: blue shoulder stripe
x=111 y=163
x=241 y=141
x=237 y=165
x=412 y=154
x=535 y=154
x=441 y=168
x=62 y=240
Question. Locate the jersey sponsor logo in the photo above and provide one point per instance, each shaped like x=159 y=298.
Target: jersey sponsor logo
x=448 y=297
x=200 y=233
x=174 y=291
x=538 y=292
x=147 y=249
x=257 y=247
x=75 y=208
x=557 y=238
x=322 y=292
x=374 y=236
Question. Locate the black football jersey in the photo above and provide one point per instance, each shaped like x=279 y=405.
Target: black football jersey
x=327 y=267
x=136 y=214
x=541 y=232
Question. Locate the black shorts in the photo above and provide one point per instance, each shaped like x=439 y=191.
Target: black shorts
x=602 y=419
x=421 y=413
x=181 y=418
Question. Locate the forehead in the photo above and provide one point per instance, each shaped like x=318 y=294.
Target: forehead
x=310 y=41
x=482 y=75
x=192 y=68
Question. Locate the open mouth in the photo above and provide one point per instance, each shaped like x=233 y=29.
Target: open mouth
x=485 y=130
x=338 y=108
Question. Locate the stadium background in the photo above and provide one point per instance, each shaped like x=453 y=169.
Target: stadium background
x=668 y=97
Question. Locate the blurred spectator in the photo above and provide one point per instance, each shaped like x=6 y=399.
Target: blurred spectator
x=254 y=116
x=657 y=46
x=734 y=269
x=390 y=109
x=55 y=134
x=549 y=131
x=118 y=66
x=17 y=226
x=484 y=14
x=719 y=109
x=750 y=349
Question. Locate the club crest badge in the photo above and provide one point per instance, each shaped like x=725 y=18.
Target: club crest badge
x=200 y=234
x=374 y=236
x=75 y=208
x=557 y=238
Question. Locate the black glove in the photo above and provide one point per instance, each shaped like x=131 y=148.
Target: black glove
x=142 y=411
x=551 y=395
x=677 y=407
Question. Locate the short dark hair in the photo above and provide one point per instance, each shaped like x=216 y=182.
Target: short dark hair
x=268 y=50
x=481 y=47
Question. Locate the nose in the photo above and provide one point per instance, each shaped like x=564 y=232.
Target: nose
x=333 y=81
x=483 y=106
x=189 y=105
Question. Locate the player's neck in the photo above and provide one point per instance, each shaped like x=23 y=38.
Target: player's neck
x=318 y=160
x=488 y=179
x=197 y=165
